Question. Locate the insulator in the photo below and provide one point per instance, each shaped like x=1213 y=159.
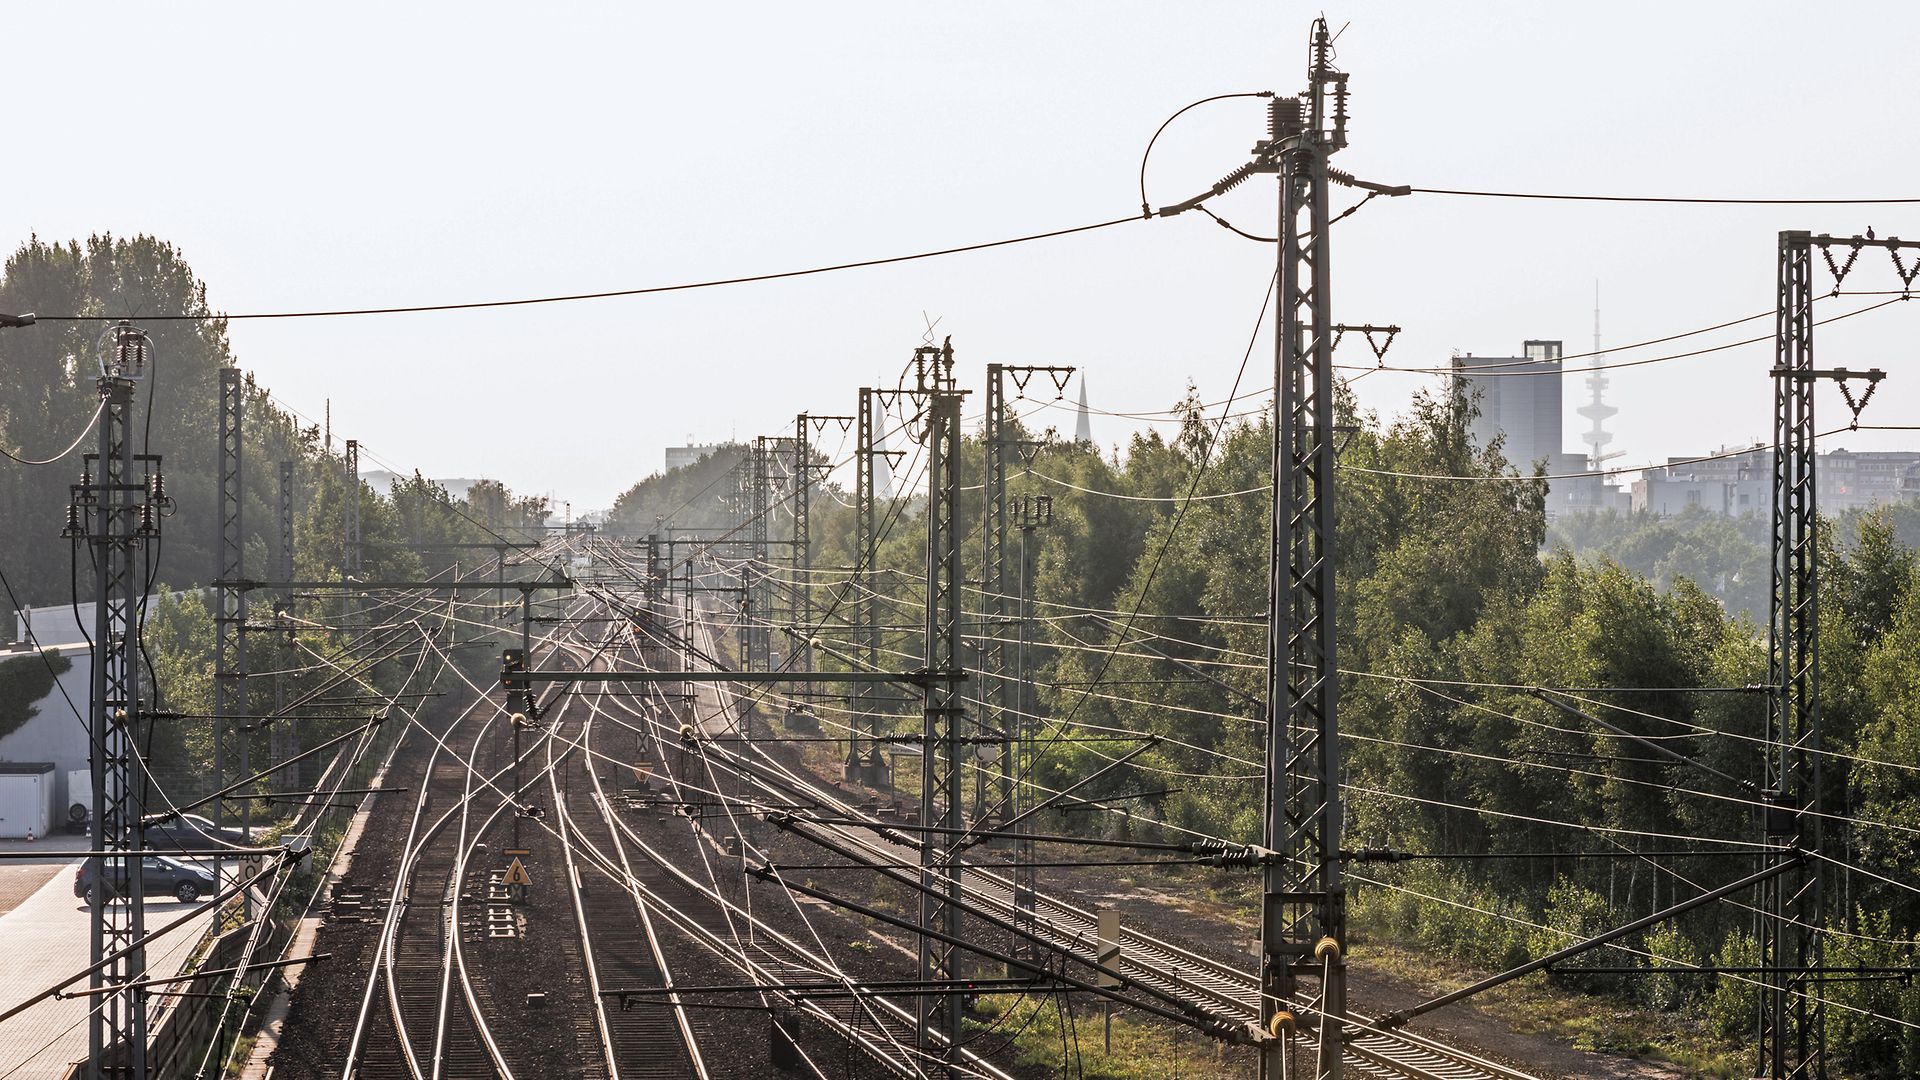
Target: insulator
x=73 y=523
x=1233 y=179
x=1340 y=110
x=157 y=487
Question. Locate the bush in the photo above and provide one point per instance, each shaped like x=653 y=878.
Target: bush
x=1671 y=949
x=1574 y=912
x=1730 y=1008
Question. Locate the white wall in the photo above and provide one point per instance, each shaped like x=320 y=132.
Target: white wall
x=56 y=732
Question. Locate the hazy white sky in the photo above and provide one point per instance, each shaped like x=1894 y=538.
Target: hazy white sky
x=348 y=155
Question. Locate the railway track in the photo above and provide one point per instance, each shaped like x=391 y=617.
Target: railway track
x=879 y=1030
x=618 y=943
x=1174 y=973
x=624 y=889
x=401 y=1007
x=434 y=1023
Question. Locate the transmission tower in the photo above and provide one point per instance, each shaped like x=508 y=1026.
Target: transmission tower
x=940 y=761
x=116 y=514
x=1303 y=917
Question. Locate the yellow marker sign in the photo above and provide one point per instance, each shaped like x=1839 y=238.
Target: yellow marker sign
x=517 y=874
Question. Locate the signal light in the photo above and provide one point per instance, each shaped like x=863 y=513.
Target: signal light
x=513 y=670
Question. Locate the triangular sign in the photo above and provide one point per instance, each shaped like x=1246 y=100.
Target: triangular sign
x=517 y=874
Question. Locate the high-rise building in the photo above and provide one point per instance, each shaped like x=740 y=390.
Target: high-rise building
x=679 y=457
x=1083 y=420
x=1519 y=399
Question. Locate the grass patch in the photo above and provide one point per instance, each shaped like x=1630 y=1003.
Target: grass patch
x=1044 y=1032
x=1591 y=1022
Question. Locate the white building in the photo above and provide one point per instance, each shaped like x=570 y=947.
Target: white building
x=1740 y=481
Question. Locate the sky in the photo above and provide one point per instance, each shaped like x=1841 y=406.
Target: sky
x=354 y=155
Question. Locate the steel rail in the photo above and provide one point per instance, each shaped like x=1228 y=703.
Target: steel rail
x=903 y=1020
x=1151 y=961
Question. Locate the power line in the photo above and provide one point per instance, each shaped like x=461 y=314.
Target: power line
x=649 y=290
x=71 y=447
x=1693 y=200
x=1536 y=367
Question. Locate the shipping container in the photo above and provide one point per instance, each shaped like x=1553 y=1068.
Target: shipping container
x=26 y=799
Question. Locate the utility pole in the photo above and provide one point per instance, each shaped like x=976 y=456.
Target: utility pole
x=116 y=513
x=1030 y=513
x=230 y=619
x=1303 y=927
x=1790 y=1031
x=940 y=761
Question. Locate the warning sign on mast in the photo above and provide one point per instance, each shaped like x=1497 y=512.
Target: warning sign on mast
x=517 y=875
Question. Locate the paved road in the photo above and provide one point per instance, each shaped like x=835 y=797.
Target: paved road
x=44 y=938
x=22 y=877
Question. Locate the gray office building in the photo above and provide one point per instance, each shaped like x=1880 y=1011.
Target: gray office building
x=1519 y=398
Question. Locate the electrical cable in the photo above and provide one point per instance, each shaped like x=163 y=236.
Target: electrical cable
x=650 y=290
x=71 y=447
x=1697 y=201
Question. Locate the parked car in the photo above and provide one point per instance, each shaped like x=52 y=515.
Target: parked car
x=189 y=832
x=158 y=875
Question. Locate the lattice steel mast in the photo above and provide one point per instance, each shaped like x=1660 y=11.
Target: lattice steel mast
x=940 y=762
x=1303 y=918
x=230 y=618
x=1030 y=513
x=1790 y=1029
x=759 y=506
x=116 y=514
x=866 y=609
x=802 y=554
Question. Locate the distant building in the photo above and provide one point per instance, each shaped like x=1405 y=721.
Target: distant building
x=1740 y=481
x=1732 y=481
x=1519 y=399
x=1083 y=419
x=679 y=457
x=1858 y=480
x=1520 y=403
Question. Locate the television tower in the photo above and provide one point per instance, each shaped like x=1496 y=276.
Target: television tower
x=1596 y=409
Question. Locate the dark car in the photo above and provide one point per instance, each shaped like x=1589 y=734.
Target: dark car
x=158 y=874
x=190 y=832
